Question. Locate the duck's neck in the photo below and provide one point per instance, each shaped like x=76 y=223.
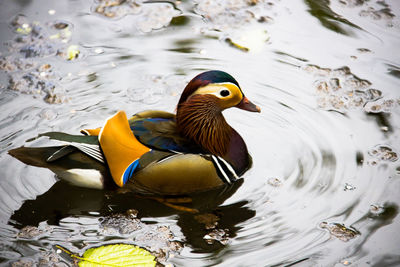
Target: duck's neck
x=201 y=120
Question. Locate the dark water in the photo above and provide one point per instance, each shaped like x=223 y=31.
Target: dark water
x=324 y=188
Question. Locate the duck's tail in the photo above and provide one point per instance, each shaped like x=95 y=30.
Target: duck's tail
x=35 y=156
x=68 y=163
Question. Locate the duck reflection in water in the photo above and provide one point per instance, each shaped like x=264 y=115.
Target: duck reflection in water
x=196 y=217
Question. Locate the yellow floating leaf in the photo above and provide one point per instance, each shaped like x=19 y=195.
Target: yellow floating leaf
x=117 y=255
x=113 y=255
x=24 y=29
x=72 y=52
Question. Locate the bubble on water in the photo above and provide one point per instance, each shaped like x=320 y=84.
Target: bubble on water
x=202 y=51
x=61 y=31
x=377 y=14
x=47 y=114
x=334 y=84
x=121 y=223
x=316 y=70
x=23 y=263
x=237 y=22
x=354 y=82
x=209 y=220
x=159 y=240
x=219 y=235
x=375 y=10
x=10 y=64
x=19 y=20
x=376 y=209
x=345 y=262
x=41 y=81
x=382 y=153
x=339 y=89
x=340 y=231
x=384 y=128
x=99 y=50
x=343 y=71
x=117 y=8
x=364 y=50
x=349 y=187
x=147 y=16
x=151 y=89
x=223 y=15
x=381 y=105
x=156 y=16
x=31 y=232
x=372 y=94
x=32 y=79
x=33 y=39
x=275 y=182
x=49 y=258
x=322 y=86
x=61 y=25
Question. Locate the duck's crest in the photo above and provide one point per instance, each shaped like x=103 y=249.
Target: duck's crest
x=212 y=76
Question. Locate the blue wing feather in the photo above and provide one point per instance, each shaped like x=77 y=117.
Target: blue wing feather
x=161 y=134
x=130 y=170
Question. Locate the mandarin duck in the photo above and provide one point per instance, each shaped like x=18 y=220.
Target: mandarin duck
x=155 y=151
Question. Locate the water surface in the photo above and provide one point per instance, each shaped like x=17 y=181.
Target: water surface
x=324 y=187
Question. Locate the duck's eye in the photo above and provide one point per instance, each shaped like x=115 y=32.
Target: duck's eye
x=224 y=93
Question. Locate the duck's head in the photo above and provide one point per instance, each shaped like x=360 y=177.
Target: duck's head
x=199 y=112
x=220 y=89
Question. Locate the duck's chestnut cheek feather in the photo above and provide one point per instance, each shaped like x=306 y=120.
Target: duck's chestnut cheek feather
x=246 y=104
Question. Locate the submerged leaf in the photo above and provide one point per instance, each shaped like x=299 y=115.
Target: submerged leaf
x=117 y=255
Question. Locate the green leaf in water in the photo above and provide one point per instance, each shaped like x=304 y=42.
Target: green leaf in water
x=72 y=52
x=114 y=255
x=24 y=29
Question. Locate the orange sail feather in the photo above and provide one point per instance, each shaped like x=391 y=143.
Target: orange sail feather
x=120 y=146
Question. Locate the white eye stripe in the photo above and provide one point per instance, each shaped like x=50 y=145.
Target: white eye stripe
x=215 y=88
x=228 y=85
